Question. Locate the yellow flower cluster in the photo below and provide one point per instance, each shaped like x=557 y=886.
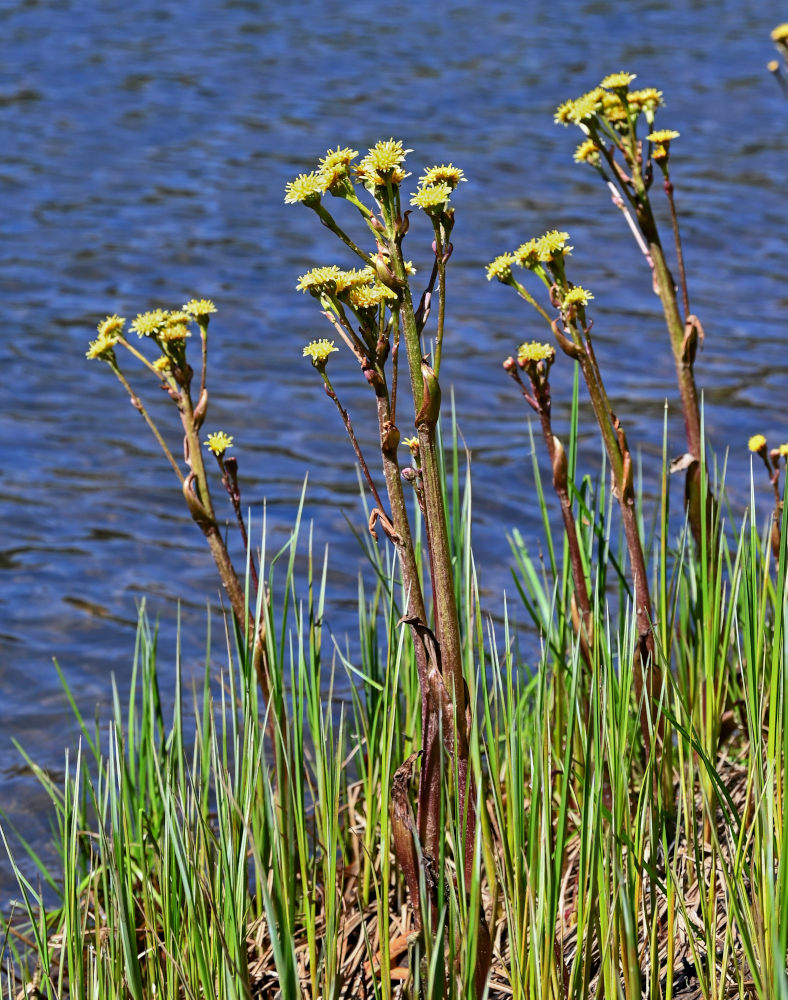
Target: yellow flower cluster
x=383 y=164
x=543 y=249
x=334 y=167
x=435 y=188
x=369 y=296
x=110 y=330
x=609 y=106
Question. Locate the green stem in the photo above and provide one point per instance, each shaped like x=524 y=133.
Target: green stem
x=138 y=405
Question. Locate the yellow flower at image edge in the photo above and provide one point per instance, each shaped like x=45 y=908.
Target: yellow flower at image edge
x=780 y=33
x=782 y=450
x=757 y=443
x=319 y=350
x=218 y=442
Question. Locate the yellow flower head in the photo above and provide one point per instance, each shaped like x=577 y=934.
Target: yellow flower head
x=780 y=33
x=412 y=443
x=150 y=323
x=663 y=136
x=199 y=309
x=782 y=450
x=533 y=352
x=320 y=280
x=319 y=351
x=648 y=99
x=306 y=188
x=335 y=165
x=577 y=296
x=102 y=348
x=218 y=442
x=370 y=296
x=383 y=163
x=445 y=174
x=163 y=365
x=501 y=268
x=112 y=326
x=757 y=443
x=346 y=280
x=432 y=198
x=617 y=81
x=586 y=106
x=551 y=245
x=173 y=331
x=587 y=152
x=527 y=254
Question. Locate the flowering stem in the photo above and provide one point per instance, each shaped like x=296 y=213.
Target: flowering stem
x=138 y=405
x=677 y=240
x=353 y=439
x=328 y=221
x=441 y=258
x=620 y=460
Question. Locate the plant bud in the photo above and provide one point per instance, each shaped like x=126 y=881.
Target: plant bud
x=559 y=465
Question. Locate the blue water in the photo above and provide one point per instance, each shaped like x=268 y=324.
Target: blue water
x=145 y=152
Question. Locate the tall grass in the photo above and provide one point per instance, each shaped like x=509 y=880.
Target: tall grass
x=184 y=872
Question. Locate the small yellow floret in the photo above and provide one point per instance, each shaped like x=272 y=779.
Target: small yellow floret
x=782 y=450
x=383 y=163
x=663 y=136
x=501 y=267
x=447 y=173
x=306 y=188
x=577 y=296
x=533 y=352
x=112 y=326
x=320 y=280
x=587 y=152
x=149 y=323
x=432 y=198
x=102 y=348
x=617 y=81
x=199 y=308
x=780 y=33
x=318 y=351
x=370 y=296
x=648 y=99
x=218 y=442
x=551 y=244
x=757 y=443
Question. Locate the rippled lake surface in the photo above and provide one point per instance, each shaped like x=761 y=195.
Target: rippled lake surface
x=146 y=148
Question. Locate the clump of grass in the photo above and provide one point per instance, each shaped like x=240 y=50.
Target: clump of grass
x=183 y=873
